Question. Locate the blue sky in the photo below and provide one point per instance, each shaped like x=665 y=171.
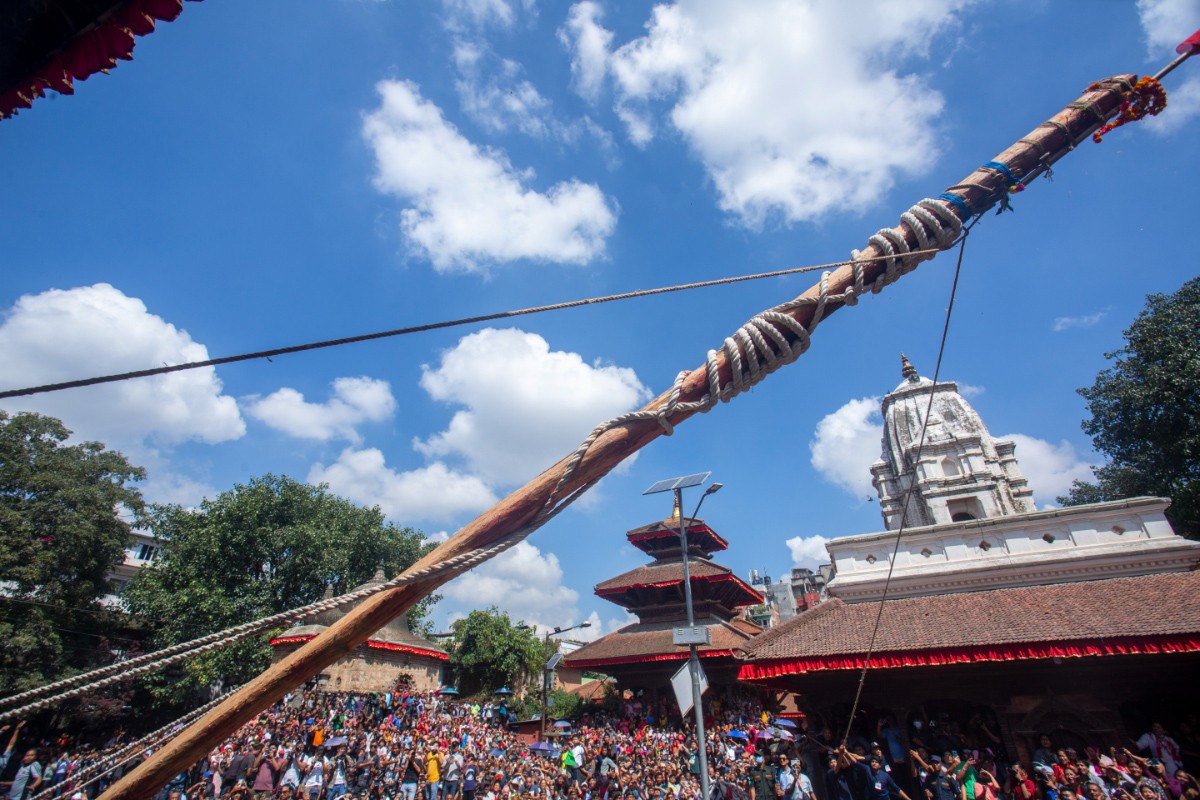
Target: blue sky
x=270 y=173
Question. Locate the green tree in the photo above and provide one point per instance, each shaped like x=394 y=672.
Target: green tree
x=64 y=512
x=487 y=651
x=564 y=705
x=1145 y=413
x=258 y=549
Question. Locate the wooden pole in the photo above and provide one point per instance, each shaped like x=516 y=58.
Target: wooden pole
x=982 y=189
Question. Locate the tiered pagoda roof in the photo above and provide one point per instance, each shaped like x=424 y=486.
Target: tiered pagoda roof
x=658 y=587
x=659 y=538
x=655 y=593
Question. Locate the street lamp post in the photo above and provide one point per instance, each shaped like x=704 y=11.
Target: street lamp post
x=549 y=668
x=678 y=485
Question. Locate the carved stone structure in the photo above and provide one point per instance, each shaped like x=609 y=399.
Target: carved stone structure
x=393 y=655
x=971 y=524
x=962 y=473
x=1054 y=621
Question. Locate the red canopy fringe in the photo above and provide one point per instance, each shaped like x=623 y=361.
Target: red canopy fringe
x=1184 y=643
x=96 y=51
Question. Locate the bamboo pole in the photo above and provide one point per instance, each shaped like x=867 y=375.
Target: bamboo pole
x=982 y=189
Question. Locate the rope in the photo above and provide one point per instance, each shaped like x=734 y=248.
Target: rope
x=862 y=678
x=754 y=351
x=87 y=682
x=126 y=670
x=760 y=347
x=212 y=362
x=126 y=753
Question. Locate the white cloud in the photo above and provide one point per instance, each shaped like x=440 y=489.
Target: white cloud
x=61 y=335
x=808 y=551
x=589 y=44
x=493 y=93
x=163 y=486
x=434 y=492
x=1049 y=468
x=970 y=389
x=355 y=400
x=437 y=538
x=523 y=581
x=1087 y=321
x=525 y=405
x=1165 y=24
x=796 y=109
x=470 y=207
x=478 y=12
x=846 y=443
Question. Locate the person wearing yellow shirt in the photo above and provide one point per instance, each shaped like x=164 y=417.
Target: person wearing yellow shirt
x=433 y=773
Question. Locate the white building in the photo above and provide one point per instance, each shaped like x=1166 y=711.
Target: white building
x=140 y=553
x=971 y=524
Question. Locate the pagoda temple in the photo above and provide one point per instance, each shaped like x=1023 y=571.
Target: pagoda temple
x=643 y=655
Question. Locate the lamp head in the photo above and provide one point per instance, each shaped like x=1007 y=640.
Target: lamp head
x=713 y=489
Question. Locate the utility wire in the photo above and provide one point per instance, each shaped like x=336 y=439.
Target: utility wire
x=366 y=337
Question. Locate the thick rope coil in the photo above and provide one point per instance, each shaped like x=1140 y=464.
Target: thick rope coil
x=760 y=347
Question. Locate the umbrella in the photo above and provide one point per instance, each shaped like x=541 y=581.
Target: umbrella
x=496 y=752
x=787 y=737
x=336 y=741
x=562 y=723
x=503 y=690
x=737 y=735
x=544 y=747
x=447 y=690
x=763 y=735
x=785 y=723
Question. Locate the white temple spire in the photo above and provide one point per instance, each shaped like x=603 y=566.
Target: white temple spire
x=961 y=473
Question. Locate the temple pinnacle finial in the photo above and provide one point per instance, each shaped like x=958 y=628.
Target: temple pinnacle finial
x=379 y=577
x=907 y=369
x=675 y=510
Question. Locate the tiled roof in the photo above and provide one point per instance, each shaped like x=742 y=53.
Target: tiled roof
x=644 y=641
x=395 y=632
x=698 y=534
x=663 y=572
x=1163 y=605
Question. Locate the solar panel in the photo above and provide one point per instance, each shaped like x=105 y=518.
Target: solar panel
x=678 y=483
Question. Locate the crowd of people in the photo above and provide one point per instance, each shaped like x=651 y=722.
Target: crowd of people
x=405 y=745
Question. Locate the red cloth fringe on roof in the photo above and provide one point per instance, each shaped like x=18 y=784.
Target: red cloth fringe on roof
x=97 y=51
x=1184 y=643
x=370 y=643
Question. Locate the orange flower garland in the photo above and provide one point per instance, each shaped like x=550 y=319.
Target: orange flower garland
x=1147 y=98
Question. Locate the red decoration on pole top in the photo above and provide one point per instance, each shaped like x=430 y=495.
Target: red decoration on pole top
x=1189 y=45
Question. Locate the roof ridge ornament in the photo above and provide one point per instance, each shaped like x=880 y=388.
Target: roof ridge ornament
x=908 y=370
